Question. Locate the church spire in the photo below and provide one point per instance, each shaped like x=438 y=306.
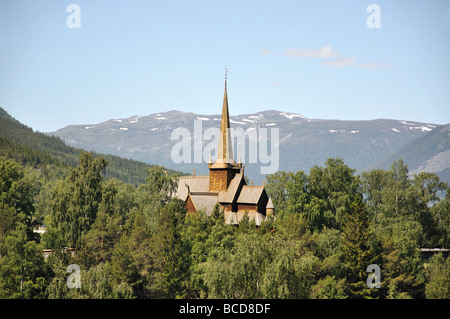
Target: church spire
x=225 y=152
x=224 y=168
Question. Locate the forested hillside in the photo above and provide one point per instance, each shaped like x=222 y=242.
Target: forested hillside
x=40 y=151
x=138 y=241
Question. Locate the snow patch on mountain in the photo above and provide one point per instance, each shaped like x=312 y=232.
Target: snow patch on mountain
x=292 y=115
x=423 y=128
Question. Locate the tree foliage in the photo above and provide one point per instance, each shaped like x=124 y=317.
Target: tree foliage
x=138 y=241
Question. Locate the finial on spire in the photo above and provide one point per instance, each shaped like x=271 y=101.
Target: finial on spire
x=226 y=73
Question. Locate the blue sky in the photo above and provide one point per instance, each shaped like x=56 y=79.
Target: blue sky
x=315 y=58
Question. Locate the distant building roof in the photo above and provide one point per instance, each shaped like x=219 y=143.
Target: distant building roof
x=250 y=194
x=198 y=183
x=231 y=193
x=204 y=202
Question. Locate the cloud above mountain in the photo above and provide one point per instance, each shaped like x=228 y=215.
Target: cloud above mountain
x=329 y=56
x=325 y=52
x=338 y=63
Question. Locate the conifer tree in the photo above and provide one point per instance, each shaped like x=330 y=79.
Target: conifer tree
x=357 y=253
x=172 y=252
x=396 y=281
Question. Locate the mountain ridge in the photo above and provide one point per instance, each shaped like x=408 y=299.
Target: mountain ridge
x=303 y=142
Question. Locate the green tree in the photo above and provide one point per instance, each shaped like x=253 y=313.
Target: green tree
x=96 y=283
x=16 y=197
x=259 y=266
x=357 y=252
x=288 y=192
x=427 y=187
x=196 y=229
x=216 y=213
x=97 y=244
x=123 y=268
x=7 y=220
x=441 y=214
x=397 y=282
x=290 y=273
x=334 y=188
x=438 y=275
x=75 y=202
x=155 y=194
x=23 y=272
x=140 y=243
x=329 y=288
x=171 y=253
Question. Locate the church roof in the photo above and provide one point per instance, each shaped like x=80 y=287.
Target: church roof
x=250 y=194
x=230 y=194
x=198 y=183
x=204 y=201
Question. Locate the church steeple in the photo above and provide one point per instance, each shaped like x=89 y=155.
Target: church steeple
x=225 y=151
x=224 y=168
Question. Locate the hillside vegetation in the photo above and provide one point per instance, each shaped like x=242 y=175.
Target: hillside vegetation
x=39 y=150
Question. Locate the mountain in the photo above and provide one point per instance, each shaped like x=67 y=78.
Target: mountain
x=303 y=142
x=430 y=153
x=21 y=143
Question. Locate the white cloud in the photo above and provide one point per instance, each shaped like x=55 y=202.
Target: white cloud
x=325 y=52
x=368 y=65
x=338 y=63
x=266 y=52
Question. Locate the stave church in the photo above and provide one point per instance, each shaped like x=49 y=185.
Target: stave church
x=225 y=184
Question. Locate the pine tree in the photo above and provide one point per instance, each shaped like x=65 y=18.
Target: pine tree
x=356 y=251
x=438 y=275
x=395 y=280
x=172 y=252
x=123 y=268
